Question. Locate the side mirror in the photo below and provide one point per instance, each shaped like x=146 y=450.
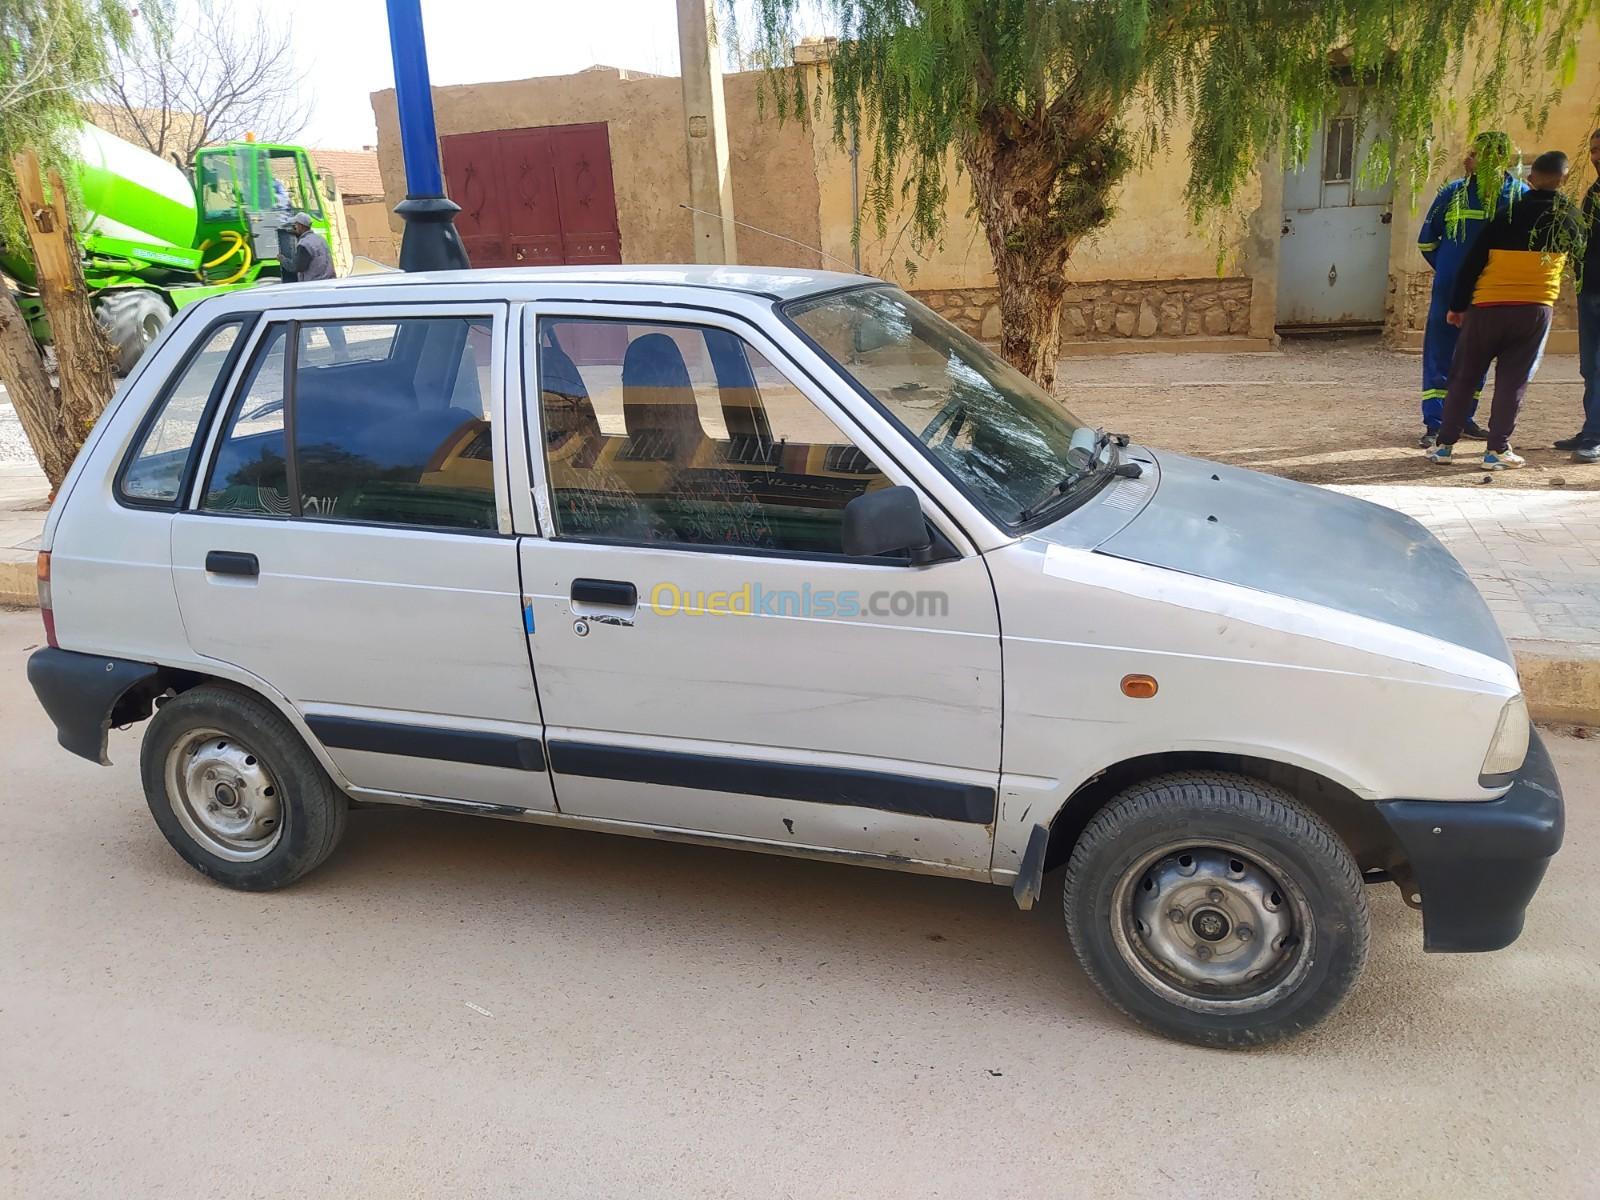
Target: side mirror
x=883 y=522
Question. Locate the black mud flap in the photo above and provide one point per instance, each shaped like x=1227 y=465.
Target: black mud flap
x=1030 y=876
x=80 y=693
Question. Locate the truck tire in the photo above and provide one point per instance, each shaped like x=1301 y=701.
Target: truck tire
x=132 y=318
x=1215 y=909
x=235 y=790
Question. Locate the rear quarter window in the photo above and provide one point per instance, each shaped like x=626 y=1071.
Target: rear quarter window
x=158 y=463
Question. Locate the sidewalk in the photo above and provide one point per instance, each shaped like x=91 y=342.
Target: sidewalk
x=1535 y=556
x=23 y=491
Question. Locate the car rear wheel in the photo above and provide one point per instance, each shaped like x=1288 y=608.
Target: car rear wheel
x=235 y=790
x=1216 y=909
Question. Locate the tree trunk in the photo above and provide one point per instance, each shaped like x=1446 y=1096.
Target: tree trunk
x=27 y=382
x=84 y=362
x=1040 y=182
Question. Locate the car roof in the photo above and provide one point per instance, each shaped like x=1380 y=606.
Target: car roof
x=776 y=283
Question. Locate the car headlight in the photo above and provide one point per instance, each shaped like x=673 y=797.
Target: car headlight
x=1509 y=746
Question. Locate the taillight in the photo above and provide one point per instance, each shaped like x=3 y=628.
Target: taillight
x=46 y=610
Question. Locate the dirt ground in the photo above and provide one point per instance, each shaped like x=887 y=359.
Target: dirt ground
x=1340 y=410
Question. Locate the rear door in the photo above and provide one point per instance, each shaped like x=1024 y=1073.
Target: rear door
x=349 y=543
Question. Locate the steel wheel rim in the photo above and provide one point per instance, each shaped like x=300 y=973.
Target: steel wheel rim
x=224 y=796
x=1213 y=926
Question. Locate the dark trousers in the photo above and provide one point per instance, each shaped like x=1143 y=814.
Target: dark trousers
x=1589 y=362
x=1511 y=336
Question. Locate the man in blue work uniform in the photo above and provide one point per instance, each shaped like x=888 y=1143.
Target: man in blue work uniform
x=1453 y=221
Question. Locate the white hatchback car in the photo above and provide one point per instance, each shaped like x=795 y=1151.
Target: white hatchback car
x=782 y=561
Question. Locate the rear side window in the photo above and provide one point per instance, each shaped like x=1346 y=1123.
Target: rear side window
x=384 y=422
x=251 y=474
x=155 y=471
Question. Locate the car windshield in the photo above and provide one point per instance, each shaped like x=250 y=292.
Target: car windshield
x=998 y=433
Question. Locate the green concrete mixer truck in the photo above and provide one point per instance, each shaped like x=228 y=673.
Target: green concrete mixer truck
x=154 y=239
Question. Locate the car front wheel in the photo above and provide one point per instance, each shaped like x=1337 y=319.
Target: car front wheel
x=1216 y=909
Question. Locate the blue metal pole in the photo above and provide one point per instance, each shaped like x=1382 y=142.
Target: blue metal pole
x=430 y=242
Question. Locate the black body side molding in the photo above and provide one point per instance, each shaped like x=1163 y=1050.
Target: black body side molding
x=80 y=692
x=479 y=747
x=938 y=798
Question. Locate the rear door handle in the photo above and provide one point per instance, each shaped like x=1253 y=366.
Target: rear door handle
x=232 y=562
x=605 y=591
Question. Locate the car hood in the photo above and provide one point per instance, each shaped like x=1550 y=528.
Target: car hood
x=1306 y=543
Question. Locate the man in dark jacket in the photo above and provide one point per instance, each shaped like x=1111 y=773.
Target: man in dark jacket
x=312 y=258
x=1585 y=444
x=1505 y=291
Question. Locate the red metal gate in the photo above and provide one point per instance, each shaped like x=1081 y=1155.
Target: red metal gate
x=533 y=197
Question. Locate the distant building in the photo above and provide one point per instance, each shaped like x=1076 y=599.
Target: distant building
x=590 y=167
x=366 y=213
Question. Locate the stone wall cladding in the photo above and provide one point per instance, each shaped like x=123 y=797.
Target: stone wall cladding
x=1109 y=309
x=1410 y=293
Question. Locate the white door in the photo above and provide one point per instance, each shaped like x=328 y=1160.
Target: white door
x=1333 y=264
x=707 y=658
x=349 y=544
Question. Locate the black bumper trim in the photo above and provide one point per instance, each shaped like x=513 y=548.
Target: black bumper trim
x=1478 y=863
x=80 y=692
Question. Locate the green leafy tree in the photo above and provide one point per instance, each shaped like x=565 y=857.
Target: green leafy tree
x=50 y=51
x=1047 y=105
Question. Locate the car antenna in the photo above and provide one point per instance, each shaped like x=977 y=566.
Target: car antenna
x=756 y=228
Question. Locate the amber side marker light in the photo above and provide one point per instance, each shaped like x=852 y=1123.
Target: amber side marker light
x=1139 y=687
x=45 y=609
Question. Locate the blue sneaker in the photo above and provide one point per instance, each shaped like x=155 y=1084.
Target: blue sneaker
x=1441 y=456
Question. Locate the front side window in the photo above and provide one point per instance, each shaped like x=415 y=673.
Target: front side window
x=685 y=434
x=219 y=186
x=390 y=425
x=156 y=468
x=1009 y=444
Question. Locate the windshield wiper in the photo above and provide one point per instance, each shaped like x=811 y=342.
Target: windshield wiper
x=1074 y=475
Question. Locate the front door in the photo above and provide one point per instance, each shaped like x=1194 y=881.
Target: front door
x=349 y=544
x=1333 y=266
x=708 y=659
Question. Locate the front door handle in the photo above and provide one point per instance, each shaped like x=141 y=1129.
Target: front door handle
x=232 y=562
x=614 y=592
x=617 y=601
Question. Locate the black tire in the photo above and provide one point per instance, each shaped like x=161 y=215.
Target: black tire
x=309 y=812
x=1130 y=858
x=132 y=318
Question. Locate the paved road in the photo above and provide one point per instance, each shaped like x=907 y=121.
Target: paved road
x=472 y=1008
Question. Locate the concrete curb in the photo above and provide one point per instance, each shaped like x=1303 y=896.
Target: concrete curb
x=19 y=587
x=1560 y=680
